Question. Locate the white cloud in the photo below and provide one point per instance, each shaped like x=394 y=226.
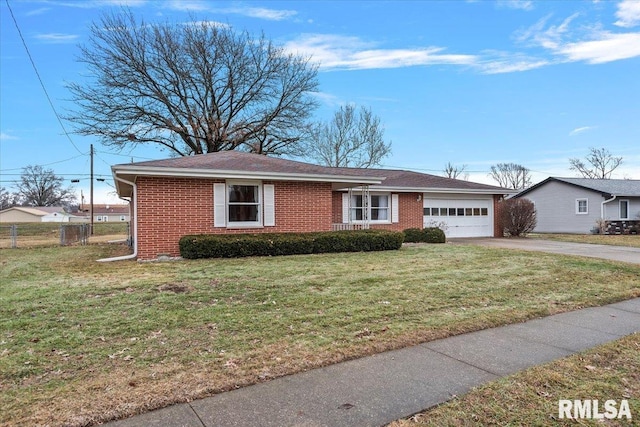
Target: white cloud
x=628 y=13
x=516 y=4
x=607 y=48
x=188 y=5
x=57 y=37
x=593 y=45
x=264 y=13
x=351 y=53
x=580 y=130
x=252 y=12
x=6 y=137
x=502 y=62
x=39 y=11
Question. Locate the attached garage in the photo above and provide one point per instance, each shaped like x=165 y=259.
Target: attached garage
x=460 y=216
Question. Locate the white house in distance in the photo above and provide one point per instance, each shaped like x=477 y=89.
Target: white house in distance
x=576 y=205
x=34 y=214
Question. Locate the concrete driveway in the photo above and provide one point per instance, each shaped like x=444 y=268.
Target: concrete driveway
x=614 y=253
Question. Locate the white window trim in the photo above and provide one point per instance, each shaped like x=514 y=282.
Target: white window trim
x=244 y=224
x=376 y=221
x=578 y=206
x=620 y=208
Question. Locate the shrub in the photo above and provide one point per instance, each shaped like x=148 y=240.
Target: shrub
x=426 y=235
x=434 y=235
x=413 y=235
x=273 y=244
x=518 y=216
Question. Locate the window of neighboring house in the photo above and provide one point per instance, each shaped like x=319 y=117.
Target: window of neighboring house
x=624 y=209
x=105 y=218
x=378 y=209
x=122 y=217
x=243 y=204
x=582 y=206
x=99 y=218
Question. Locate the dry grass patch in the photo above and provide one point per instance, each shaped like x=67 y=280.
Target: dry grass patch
x=83 y=342
x=611 y=371
x=599 y=239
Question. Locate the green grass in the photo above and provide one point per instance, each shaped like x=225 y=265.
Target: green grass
x=599 y=239
x=83 y=342
x=611 y=371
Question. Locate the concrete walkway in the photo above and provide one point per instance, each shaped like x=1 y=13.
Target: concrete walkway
x=376 y=390
x=613 y=253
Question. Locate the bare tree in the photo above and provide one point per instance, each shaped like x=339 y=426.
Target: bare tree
x=7 y=199
x=191 y=88
x=350 y=139
x=518 y=216
x=511 y=175
x=455 y=172
x=599 y=164
x=41 y=187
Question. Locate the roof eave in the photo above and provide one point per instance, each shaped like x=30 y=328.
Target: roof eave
x=131 y=173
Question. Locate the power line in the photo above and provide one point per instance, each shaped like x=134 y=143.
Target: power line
x=24 y=43
x=46 y=164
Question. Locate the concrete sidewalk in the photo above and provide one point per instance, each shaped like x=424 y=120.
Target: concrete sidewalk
x=376 y=390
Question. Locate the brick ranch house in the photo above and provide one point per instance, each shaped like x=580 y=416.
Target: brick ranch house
x=236 y=192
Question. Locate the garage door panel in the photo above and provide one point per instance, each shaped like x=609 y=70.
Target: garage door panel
x=460 y=217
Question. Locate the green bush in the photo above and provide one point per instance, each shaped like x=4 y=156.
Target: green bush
x=413 y=235
x=426 y=235
x=273 y=244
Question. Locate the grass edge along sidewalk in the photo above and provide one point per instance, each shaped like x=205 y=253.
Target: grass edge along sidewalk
x=96 y=342
x=607 y=372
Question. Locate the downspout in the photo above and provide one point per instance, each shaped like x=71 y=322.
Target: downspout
x=604 y=203
x=134 y=225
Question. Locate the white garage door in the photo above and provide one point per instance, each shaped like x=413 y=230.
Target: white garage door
x=460 y=217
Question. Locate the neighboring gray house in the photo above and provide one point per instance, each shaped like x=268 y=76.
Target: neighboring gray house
x=575 y=205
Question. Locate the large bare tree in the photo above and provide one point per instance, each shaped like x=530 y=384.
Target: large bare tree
x=191 y=88
x=42 y=187
x=511 y=175
x=600 y=164
x=455 y=171
x=352 y=138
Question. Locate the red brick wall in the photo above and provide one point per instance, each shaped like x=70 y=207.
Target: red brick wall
x=409 y=209
x=169 y=208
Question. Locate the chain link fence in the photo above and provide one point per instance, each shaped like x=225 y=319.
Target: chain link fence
x=24 y=235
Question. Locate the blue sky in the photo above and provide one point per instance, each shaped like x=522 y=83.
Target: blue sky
x=468 y=82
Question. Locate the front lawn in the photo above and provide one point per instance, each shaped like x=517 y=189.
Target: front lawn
x=599 y=239
x=83 y=342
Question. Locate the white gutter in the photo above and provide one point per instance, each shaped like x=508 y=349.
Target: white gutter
x=134 y=224
x=604 y=203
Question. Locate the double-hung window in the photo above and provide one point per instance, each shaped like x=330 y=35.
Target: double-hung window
x=582 y=206
x=243 y=201
x=377 y=207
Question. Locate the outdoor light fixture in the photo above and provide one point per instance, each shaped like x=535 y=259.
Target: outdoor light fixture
x=419 y=197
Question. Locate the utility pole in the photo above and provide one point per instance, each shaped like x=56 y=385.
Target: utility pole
x=91 y=192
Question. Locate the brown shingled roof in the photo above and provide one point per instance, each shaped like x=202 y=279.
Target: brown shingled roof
x=236 y=161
